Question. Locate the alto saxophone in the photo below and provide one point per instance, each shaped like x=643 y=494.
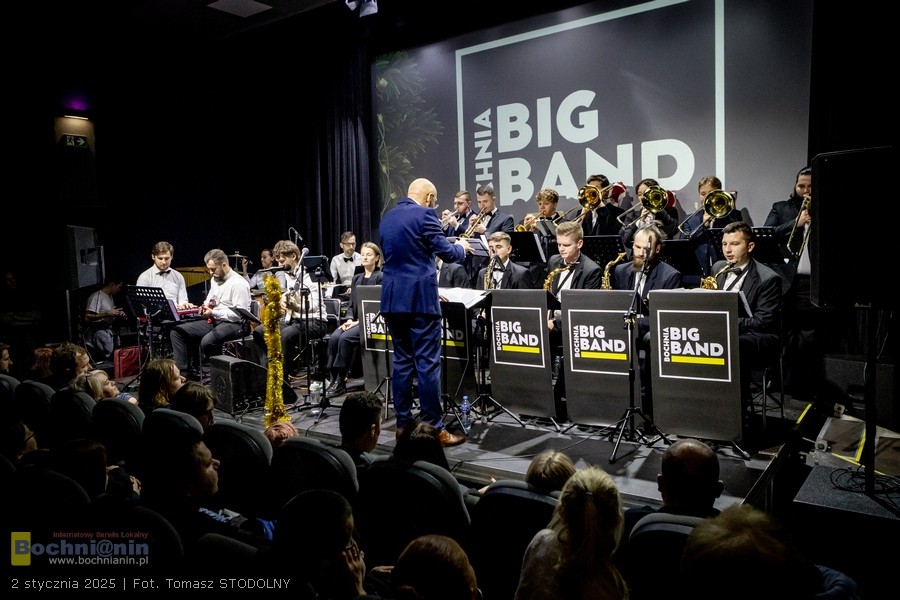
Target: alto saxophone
x=709 y=282
x=606 y=284
x=488 y=282
x=548 y=283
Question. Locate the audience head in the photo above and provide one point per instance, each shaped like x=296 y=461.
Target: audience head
x=16 y=438
x=279 y=432
x=6 y=362
x=40 y=364
x=89 y=384
x=68 y=360
x=160 y=380
x=689 y=476
x=588 y=519
x=360 y=420
x=422 y=442
x=177 y=462
x=549 y=471
x=722 y=550
x=83 y=460
x=195 y=399
x=434 y=567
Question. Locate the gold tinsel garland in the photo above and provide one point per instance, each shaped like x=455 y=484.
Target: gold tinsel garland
x=272 y=313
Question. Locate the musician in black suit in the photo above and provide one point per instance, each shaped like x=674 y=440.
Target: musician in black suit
x=646 y=273
x=454 y=223
x=451 y=275
x=488 y=220
x=759 y=335
x=603 y=219
x=568 y=270
x=505 y=274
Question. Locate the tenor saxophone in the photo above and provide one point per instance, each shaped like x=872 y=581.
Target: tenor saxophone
x=488 y=282
x=709 y=282
x=606 y=284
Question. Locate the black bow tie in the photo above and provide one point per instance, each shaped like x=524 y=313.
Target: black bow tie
x=348 y=259
x=499 y=268
x=164 y=272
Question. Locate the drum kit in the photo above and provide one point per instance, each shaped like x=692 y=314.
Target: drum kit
x=237 y=256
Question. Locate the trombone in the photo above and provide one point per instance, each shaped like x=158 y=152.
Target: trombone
x=589 y=198
x=717 y=204
x=807 y=199
x=654 y=199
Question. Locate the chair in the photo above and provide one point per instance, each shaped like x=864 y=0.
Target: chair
x=649 y=558
x=33 y=405
x=770 y=371
x=305 y=463
x=8 y=385
x=110 y=513
x=245 y=454
x=504 y=521
x=45 y=501
x=117 y=425
x=70 y=416
x=399 y=502
x=333 y=312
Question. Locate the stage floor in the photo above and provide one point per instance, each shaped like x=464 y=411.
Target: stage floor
x=498 y=446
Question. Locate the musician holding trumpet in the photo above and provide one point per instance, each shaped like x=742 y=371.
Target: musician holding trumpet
x=454 y=223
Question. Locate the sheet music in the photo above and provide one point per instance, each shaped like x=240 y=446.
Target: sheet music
x=464 y=296
x=479 y=245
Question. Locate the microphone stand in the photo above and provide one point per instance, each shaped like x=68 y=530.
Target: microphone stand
x=304 y=294
x=627 y=420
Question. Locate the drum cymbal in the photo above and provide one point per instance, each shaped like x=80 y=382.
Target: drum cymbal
x=236 y=255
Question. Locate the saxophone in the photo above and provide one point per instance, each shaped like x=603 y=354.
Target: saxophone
x=606 y=284
x=488 y=282
x=548 y=283
x=709 y=282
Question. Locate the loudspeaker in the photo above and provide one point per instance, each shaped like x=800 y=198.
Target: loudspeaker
x=239 y=383
x=849 y=253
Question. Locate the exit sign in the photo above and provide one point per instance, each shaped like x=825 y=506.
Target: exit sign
x=75 y=141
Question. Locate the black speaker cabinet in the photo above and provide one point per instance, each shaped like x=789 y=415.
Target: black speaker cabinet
x=240 y=384
x=851 y=243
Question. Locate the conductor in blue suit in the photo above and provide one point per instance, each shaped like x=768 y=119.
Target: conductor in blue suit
x=411 y=237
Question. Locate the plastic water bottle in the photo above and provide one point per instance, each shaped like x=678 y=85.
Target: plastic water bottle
x=466 y=409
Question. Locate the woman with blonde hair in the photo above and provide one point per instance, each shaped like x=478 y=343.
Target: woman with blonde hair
x=160 y=379
x=572 y=558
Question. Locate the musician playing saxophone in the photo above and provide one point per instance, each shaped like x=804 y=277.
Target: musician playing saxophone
x=759 y=332
x=568 y=270
x=505 y=274
x=645 y=273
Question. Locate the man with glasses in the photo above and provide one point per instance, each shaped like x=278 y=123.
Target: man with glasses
x=343 y=265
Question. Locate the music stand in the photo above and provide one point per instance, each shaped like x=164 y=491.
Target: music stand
x=149 y=302
x=681 y=255
x=526 y=247
x=478 y=245
x=766 y=248
x=602 y=248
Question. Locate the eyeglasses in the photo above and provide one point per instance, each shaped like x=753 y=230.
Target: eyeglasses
x=348 y=243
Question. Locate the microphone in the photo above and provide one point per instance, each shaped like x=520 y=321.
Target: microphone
x=646 y=265
x=278 y=268
x=303 y=253
x=297 y=238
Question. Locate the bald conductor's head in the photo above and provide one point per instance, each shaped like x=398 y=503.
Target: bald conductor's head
x=423 y=192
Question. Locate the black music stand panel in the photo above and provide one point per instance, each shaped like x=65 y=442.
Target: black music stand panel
x=457 y=349
x=595 y=352
x=602 y=248
x=318 y=268
x=526 y=247
x=376 y=347
x=696 y=364
x=149 y=302
x=766 y=249
x=521 y=376
x=681 y=254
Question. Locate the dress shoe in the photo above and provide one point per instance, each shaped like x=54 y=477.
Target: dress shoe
x=337 y=388
x=450 y=439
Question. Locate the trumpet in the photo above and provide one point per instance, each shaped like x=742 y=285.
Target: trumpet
x=446 y=220
x=531 y=226
x=654 y=199
x=717 y=204
x=589 y=198
x=475 y=223
x=807 y=199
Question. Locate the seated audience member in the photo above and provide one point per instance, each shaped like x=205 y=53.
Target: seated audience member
x=160 y=380
x=180 y=476
x=505 y=274
x=6 y=362
x=745 y=554
x=85 y=461
x=195 y=342
x=549 y=471
x=343 y=265
x=304 y=316
x=434 y=567
x=572 y=557
x=67 y=361
x=108 y=387
x=100 y=314
x=344 y=340
x=40 y=365
x=279 y=432
x=197 y=400
x=16 y=438
x=360 y=425
x=688 y=482
x=314 y=540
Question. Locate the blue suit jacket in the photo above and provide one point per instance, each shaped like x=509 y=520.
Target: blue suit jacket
x=411 y=236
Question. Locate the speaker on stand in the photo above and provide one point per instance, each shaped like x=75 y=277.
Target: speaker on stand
x=240 y=385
